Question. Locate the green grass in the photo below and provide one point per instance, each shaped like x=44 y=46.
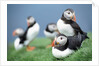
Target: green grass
x=45 y=54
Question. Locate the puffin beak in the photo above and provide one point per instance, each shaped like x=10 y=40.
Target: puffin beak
x=53 y=43
x=28 y=23
x=74 y=18
x=14 y=33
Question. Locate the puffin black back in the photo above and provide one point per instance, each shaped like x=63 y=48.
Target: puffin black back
x=74 y=42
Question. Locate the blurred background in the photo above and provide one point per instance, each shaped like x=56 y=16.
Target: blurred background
x=44 y=14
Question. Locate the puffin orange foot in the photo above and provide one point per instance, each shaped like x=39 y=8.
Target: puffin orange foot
x=30 y=48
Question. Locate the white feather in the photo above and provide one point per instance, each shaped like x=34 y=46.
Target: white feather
x=17 y=45
x=50 y=35
x=61 y=54
x=65 y=29
x=32 y=33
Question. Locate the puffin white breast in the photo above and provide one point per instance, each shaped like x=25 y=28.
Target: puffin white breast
x=65 y=29
x=17 y=44
x=60 y=54
x=33 y=32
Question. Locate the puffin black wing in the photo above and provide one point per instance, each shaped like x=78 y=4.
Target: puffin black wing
x=78 y=29
x=23 y=37
x=74 y=42
x=74 y=25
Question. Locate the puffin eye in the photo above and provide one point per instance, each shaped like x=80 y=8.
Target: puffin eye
x=68 y=12
x=61 y=38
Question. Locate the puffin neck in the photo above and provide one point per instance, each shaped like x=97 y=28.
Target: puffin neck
x=21 y=36
x=32 y=24
x=66 y=21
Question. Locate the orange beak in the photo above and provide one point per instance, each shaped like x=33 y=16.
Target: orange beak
x=14 y=33
x=74 y=18
x=53 y=43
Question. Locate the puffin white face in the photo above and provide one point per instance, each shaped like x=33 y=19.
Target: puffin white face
x=18 y=32
x=52 y=27
x=68 y=15
x=60 y=40
x=30 y=20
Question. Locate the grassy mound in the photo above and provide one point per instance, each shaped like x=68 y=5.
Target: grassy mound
x=45 y=54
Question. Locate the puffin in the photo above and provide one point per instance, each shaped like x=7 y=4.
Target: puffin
x=50 y=32
x=67 y=24
x=19 y=33
x=64 y=45
x=30 y=33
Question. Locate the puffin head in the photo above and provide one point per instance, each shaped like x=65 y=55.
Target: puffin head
x=52 y=27
x=30 y=20
x=18 y=32
x=69 y=14
x=60 y=40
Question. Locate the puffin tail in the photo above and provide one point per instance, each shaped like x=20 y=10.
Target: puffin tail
x=82 y=37
x=85 y=35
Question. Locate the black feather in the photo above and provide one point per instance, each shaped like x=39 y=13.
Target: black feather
x=75 y=26
x=73 y=42
x=47 y=29
x=23 y=37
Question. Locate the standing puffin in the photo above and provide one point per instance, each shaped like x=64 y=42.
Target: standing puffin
x=64 y=46
x=33 y=28
x=67 y=25
x=50 y=32
x=18 y=32
x=30 y=33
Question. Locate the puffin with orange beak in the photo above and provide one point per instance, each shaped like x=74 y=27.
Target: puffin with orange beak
x=67 y=24
x=50 y=32
x=18 y=32
x=63 y=46
x=29 y=35
x=31 y=32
